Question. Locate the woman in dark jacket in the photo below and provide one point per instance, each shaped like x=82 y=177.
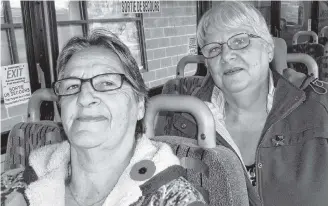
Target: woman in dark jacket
x=278 y=130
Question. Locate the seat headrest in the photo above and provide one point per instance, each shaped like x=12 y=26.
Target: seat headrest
x=279 y=61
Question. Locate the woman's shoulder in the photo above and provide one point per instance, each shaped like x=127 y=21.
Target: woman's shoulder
x=13 y=185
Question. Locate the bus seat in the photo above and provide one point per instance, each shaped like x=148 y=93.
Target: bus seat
x=188 y=60
x=27 y=136
x=323 y=65
x=314 y=49
x=173 y=86
x=322 y=38
x=307 y=61
x=40 y=95
x=215 y=170
x=279 y=61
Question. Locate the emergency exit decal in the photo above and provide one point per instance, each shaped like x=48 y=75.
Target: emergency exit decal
x=140 y=6
x=15 y=84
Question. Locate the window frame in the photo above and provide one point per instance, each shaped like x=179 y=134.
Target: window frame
x=9 y=27
x=85 y=21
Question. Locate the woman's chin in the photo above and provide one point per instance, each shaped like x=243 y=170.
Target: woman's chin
x=85 y=139
x=236 y=86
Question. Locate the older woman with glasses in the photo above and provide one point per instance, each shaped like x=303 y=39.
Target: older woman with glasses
x=277 y=128
x=107 y=159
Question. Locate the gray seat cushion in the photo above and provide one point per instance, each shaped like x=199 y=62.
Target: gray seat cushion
x=225 y=183
x=25 y=137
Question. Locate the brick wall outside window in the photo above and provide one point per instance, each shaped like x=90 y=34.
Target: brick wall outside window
x=166 y=34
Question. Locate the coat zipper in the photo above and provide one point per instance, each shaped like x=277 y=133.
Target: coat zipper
x=257 y=158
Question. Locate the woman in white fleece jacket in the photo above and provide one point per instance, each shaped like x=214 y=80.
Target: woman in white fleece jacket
x=107 y=160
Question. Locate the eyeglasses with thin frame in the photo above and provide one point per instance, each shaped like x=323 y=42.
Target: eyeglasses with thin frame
x=100 y=83
x=236 y=42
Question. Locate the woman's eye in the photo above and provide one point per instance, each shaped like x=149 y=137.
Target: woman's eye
x=239 y=41
x=215 y=49
x=72 y=87
x=107 y=83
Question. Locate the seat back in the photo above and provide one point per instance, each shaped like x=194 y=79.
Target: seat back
x=215 y=170
x=189 y=59
x=306 y=61
x=25 y=137
x=314 y=49
x=28 y=136
x=322 y=38
x=323 y=65
x=40 y=95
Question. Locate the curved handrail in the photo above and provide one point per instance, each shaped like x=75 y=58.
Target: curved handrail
x=183 y=103
x=306 y=59
x=322 y=31
x=40 y=95
x=305 y=33
x=188 y=60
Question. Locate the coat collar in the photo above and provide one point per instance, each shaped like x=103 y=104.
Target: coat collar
x=50 y=164
x=286 y=97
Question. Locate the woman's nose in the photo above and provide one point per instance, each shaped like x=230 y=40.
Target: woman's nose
x=227 y=54
x=86 y=97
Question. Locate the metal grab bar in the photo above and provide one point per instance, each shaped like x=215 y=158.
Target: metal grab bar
x=306 y=59
x=305 y=33
x=182 y=103
x=188 y=60
x=322 y=31
x=40 y=95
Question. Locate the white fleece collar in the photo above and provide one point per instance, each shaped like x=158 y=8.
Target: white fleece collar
x=217 y=107
x=51 y=162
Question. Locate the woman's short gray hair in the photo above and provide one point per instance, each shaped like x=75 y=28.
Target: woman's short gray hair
x=103 y=38
x=231 y=15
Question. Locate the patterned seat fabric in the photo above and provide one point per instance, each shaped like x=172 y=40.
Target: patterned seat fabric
x=217 y=172
x=323 y=40
x=323 y=68
x=314 y=50
x=25 y=137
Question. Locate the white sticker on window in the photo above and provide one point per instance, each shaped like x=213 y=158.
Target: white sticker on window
x=192 y=45
x=140 y=6
x=15 y=84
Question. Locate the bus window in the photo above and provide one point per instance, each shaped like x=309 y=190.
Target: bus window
x=265 y=8
x=13 y=51
x=323 y=15
x=67 y=11
x=77 y=18
x=294 y=18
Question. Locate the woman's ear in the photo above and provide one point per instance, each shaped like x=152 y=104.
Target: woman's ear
x=270 y=53
x=141 y=108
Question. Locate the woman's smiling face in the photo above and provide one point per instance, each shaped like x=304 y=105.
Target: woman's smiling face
x=91 y=118
x=235 y=70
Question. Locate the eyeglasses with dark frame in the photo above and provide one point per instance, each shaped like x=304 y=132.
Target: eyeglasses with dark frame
x=100 y=83
x=236 y=42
